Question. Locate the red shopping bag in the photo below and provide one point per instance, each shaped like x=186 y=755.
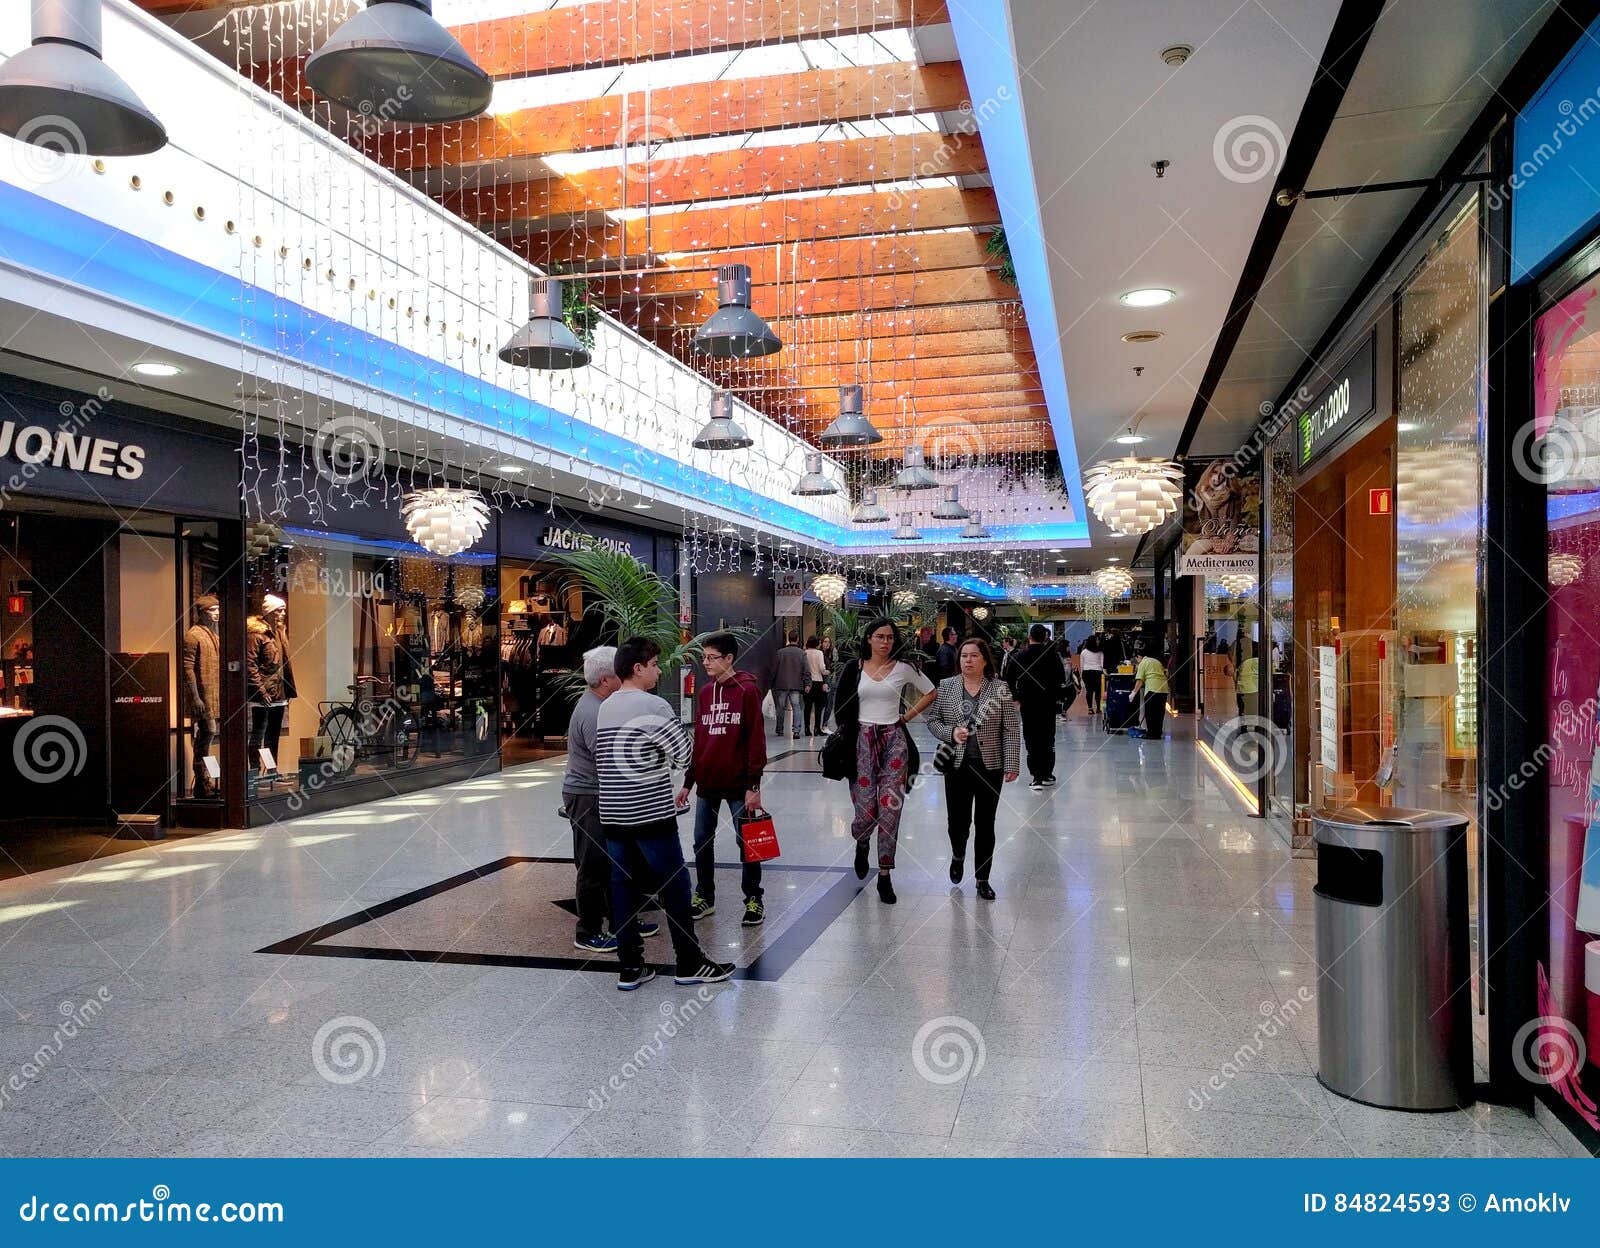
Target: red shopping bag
x=759 y=835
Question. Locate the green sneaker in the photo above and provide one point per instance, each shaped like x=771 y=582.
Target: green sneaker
x=700 y=908
x=755 y=914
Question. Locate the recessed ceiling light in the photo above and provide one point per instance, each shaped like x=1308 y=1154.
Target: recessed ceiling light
x=1130 y=438
x=156 y=368
x=1142 y=335
x=1113 y=558
x=727 y=528
x=1148 y=297
x=641 y=505
x=509 y=470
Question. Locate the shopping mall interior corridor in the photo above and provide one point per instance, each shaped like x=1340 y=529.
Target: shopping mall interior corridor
x=1144 y=984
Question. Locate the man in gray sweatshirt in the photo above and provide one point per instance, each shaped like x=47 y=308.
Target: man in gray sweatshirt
x=790 y=675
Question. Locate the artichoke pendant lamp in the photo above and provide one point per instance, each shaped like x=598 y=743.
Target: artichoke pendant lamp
x=392 y=61
x=722 y=432
x=949 y=507
x=914 y=475
x=734 y=331
x=851 y=426
x=59 y=95
x=545 y=341
x=870 y=510
x=907 y=532
x=974 y=529
x=812 y=483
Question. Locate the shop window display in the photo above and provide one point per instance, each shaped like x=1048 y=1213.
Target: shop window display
x=361 y=661
x=541 y=646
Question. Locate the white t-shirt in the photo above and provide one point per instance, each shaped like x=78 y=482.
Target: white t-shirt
x=1092 y=661
x=879 y=700
x=816 y=664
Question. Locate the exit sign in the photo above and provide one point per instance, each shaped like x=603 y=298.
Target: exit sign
x=1380 y=502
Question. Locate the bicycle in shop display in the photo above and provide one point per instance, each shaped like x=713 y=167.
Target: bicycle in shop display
x=374 y=723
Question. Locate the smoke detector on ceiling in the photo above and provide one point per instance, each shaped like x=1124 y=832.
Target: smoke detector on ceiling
x=1177 y=54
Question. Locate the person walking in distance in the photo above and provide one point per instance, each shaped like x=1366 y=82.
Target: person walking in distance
x=637 y=744
x=1150 y=690
x=730 y=753
x=949 y=655
x=867 y=707
x=975 y=717
x=1037 y=678
x=580 y=798
x=830 y=665
x=1092 y=668
x=816 y=687
x=790 y=675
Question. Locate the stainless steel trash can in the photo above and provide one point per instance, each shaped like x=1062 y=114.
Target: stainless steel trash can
x=1394 y=1001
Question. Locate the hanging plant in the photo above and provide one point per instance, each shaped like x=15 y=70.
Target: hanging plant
x=1000 y=250
x=580 y=315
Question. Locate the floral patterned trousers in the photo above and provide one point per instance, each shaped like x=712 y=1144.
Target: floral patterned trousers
x=879 y=792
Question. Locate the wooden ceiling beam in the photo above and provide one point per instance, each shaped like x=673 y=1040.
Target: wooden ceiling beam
x=774 y=170
x=883 y=399
x=803 y=374
x=932 y=325
x=884 y=351
x=697 y=110
x=693 y=303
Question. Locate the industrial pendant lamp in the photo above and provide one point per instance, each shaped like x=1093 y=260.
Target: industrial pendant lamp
x=545 y=341
x=59 y=95
x=907 y=532
x=851 y=426
x=974 y=529
x=914 y=475
x=870 y=511
x=812 y=483
x=392 y=61
x=950 y=507
x=722 y=432
x=734 y=331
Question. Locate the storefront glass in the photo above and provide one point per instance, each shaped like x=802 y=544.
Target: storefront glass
x=545 y=634
x=1278 y=600
x=365 y=659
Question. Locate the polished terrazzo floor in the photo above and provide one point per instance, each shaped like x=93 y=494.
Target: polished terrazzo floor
x=1147 y=934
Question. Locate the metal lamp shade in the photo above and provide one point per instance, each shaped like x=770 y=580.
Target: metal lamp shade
x=734 y=331
x=870 y=511
x=545 y=341
x=974 y=528
x=850 y=427
x=394 y=62
x=914 y=475
x=907 y=532
x=812 y=483
x=722 y=432
x=59 y=95
x=950 y=507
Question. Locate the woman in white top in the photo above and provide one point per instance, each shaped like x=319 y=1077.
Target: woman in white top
x=868 y=703
x=1092 y=667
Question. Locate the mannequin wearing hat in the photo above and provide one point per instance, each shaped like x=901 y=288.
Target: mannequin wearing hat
x=271 y=675
x=202 y=680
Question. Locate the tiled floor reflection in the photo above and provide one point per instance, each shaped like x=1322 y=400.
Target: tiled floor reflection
x=1144 y=930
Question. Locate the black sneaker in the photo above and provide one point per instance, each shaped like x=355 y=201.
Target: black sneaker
x=1036 y=785
x=700 y=908
x=631 y=977
x=1048 y=782
x=861 y=860
x=755 y=914
x=706 y=973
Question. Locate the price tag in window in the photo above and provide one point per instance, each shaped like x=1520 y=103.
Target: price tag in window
x=212 y=768
x=268 y=763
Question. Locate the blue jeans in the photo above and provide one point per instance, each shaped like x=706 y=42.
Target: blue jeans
x=705 y=851
x=786 y=704
x=649 y=861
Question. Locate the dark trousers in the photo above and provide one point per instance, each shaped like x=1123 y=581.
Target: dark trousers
x=266 y=726
x=816 y=708
x=648 y=861
x=205 y=732
x=705 y=848
x=972 y=796
x=1092 y=684
x=1155 y=714
x=589 y=856
x=1039 y=739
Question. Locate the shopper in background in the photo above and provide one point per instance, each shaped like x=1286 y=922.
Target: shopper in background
x=580 y=798
x=1036 y=679
x=816 y=687
x=927 y=655
x=638 y=741
x=830 y=658
x=867 y=707
x=1008 y=647
x=730 y=753
x=949 y=656
x=1150 y=691
x=790 y=675
x=976 y=718
x=1092 y=670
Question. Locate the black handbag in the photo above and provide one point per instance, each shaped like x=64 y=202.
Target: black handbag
x=837 y=756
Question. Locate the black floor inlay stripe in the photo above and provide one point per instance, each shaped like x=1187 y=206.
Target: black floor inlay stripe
x=770 y=963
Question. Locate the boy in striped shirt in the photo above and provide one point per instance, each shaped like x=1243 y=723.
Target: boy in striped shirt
x=638 y=741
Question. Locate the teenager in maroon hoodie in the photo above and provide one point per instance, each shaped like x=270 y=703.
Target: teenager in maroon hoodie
x=730 y=753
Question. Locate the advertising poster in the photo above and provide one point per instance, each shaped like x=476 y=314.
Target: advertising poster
x=788 y=594
x=1221 y=521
